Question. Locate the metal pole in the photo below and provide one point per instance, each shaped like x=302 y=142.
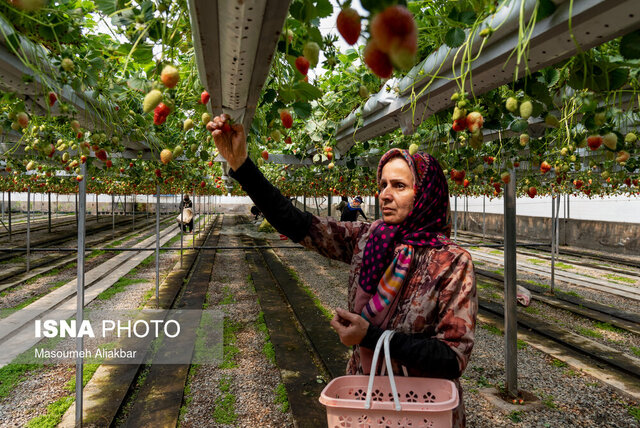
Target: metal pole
x=3 y=206
x=9 y=199
x=80 y=293
x=193 y=203
x=510 y=278
x=558 y=228
x=553 y=241
x=113 y=216
x=181 y=229
x=329 y=204
x=157 y=245
x=28 y=227
x=124 y=206
x=97 y=215
x=304 y=203
x=484 y=217
x=147 y=206
x=49 y=211
x=455 y=219
x=76 y=195
x=377 y=208
x=134 y=212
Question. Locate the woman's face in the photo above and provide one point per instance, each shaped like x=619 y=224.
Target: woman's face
x=396 y=191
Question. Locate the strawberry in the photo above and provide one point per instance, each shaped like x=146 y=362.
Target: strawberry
x=23 y=119
x=348 y=24
x=79 y=178
x=532 y=192
x=474 y=121
x=151 y=100
x=109 y=163
x=488 y=159
x=302 y=64
x=203 y=184
x=377 y=60
x=511 y=104
x=526 y=109
x=413 y=149
x=83 y=159
x=187 y=124
x=101 y=154
x=160 y=114
x=67 y=65
x=170 y=76
x=226 y=128
x=204 y=97
x=600 y=118
x=634 y=181
x=52 y=98
x=622 y=156
x=265 y=155
x=329 y=166
x=206 y=118
x=545 y=167
x=288 y=140
x=287 y=120
x=465 y=183
x=460 y=125
x=627 y=181
x=630 y=138
x=177 y=151
x=395 y=29
x=166 y=155
x=594 y=141
x=311 y=51
x=363 y=92
x=79 y=136
x=505 y=177
x=610 y=140
x=157 y=172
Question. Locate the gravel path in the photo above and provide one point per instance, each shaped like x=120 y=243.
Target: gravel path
x=571 y=398
x=253 y=379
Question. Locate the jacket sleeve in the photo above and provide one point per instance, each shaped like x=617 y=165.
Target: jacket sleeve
x=277 y=209
x=445 y=354
x=334 y=239
x=362 y=212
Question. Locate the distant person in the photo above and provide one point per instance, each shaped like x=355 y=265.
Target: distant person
x=350 y=211
x=256 y=212
x=186 y=210
x=343 y=203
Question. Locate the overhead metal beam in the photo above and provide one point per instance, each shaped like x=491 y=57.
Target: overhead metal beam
x=593 y=23
x=235 y=43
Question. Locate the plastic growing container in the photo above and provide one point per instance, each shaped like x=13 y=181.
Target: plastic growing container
x=385 y=401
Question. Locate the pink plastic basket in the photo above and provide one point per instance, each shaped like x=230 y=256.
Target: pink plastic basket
x=418 y=402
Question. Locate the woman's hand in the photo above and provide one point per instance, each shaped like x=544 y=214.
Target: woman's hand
x=229 y=139
x=350 y=327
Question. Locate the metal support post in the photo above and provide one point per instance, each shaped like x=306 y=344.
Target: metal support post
x=329 y=205
x=553 y=240
x=377 y=208
x=558 y=228
x=510 y=278
x=2 y=206
x=28 y=227
x=133 y=221
x=147 y=207
x=455 y=219
x=76 y=195
x=97 y=212
x=113 y=215
x=49 y=211
x=193 y=203
x=181 y=229
x=304 y=203
x=80 y=293
x=9 y=200
x=157 y=245
x=124 y=206
x=484 y=217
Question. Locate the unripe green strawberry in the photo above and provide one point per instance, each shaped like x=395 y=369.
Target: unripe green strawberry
x=526 y=109
x=600 y=118
x=413 y=149
x=552 y=121
x=311 y=52
x=206 y=118
x=524 y=139
x=459 y=113
x=68 y=65
x=630 y=138
x=177 y=151
x=187 y=124
x=363 y=91
x=151 y=100
x=610 y=140
x=511 y=104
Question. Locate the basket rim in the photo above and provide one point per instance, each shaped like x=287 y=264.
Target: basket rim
x=332 y=402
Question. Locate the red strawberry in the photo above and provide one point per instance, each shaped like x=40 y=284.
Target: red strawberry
x=83 y=159
x=101 y=154
x=474 y=121
x=204 y=97
x=203 y=184
x=287 y=120
x=532 y=192
x=170 y=76
x=459 y=125
x=226 y=128
x=160 y=114
x=377 y=60
x=158 y=173
x=348 y=24
x=288 y=140
x=396 y=34
x=265 y=155
x=594 y=141
x=109 y=164
x=578 y=183
x=465 y=183
x=52 y=98
x=627 y=181
x=545 y=167
x=302 y=64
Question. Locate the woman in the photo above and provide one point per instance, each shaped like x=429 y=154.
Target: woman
x=405 y=273
x=351 y=211
x=186 y=203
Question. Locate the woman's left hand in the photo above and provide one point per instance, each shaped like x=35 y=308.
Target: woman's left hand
x=350 y=327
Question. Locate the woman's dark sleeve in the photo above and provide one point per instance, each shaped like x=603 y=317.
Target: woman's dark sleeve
x=362 y=212
x=446 y=352
x=277 y=209
x=430 y=355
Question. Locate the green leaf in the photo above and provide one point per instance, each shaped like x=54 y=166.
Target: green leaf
x=519 y=125
x=204 y=155
x=106 y=6
x=143 y=53
x=454 y=38
x=139 y=84
x=324 y=8
x=306 y=91
x=13 y=42
x=302 y=109
x=630 y=45
x=269 y=95
x=467 y=17
x=551 y=76
x=545 y=9
x=617 y=78
x=315 y=35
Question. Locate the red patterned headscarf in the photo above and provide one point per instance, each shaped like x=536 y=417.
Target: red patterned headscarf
x=427 y=225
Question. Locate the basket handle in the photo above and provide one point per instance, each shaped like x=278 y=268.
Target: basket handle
x=385 y=339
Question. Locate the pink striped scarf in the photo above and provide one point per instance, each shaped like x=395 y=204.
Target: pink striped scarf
x=389 y=285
